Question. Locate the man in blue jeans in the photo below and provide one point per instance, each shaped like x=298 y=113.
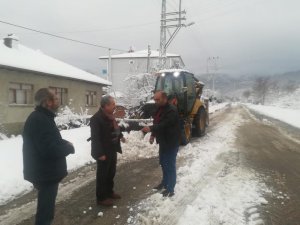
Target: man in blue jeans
x=166 y=130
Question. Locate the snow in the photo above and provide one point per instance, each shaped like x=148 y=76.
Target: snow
x=173 y=70
x=13 y=185
x=23 y=57
x=138 y=54
x=289 y=116
x=216 y=107
x=211 y=188
x=285 y=108
x=117 y=94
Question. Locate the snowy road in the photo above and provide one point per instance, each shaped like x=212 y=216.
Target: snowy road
x=244 y=171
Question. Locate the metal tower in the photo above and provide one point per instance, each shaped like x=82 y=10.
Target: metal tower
x=171 y=22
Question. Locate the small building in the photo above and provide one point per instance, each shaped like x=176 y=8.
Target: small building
x=133 y=63
x=23 y=71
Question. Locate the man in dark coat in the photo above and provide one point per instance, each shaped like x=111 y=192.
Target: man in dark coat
x=44 y=154
x=105 y=137
x=166 y=130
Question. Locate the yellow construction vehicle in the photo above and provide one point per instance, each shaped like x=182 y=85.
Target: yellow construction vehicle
x=192 y=109
x=187 y=89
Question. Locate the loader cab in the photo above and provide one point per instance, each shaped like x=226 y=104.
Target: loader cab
x=181 y=84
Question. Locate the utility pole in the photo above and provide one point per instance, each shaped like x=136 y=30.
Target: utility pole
x=109 y=75
x=169 y=20
x=212 y=62
x=148 y=58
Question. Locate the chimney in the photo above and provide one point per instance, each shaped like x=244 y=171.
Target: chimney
x=11 y=41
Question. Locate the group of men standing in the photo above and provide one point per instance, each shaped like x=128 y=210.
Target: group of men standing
x=45 y=152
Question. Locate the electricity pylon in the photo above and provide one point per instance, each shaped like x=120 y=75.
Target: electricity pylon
x=171 y=22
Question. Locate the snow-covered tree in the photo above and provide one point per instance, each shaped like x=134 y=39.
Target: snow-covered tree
x=66 y=118
x=139 y=88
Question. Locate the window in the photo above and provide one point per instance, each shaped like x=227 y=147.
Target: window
x=91 y=98
x=191 y=91
x=62 y=94
x=20 y=94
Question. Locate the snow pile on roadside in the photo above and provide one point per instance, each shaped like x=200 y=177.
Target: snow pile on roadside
x=12 y=183
x=217 y=107
x=289 y=116
x=11 y=159
x=211 y=189
x=137 y=146
x=11 y=169
x=291 y=100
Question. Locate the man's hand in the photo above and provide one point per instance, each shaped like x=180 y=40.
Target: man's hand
x=146 y=129
x=102 y=158
x=151 y=140
x=123 y=140
x=71 y=147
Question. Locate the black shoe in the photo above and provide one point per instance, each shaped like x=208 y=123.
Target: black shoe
x=159 y=187
x=166 y=193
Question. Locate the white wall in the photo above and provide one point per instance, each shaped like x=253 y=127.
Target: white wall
x=124 y=67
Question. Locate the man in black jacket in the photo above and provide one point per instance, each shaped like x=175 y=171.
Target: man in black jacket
x=44 y=154
x=166 y=130
x=105 y=136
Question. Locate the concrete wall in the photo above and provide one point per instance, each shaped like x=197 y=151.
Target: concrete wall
x=12 y=117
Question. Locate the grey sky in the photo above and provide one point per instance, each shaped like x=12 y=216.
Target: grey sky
x=249 y=36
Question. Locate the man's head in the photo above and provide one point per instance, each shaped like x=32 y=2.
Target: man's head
x=172 y=99
x=160 y=98
x=108 y=104
x=46 y=98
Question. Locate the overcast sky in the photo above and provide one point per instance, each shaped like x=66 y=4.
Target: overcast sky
x=248 y=36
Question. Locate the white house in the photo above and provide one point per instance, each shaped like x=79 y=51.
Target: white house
x=133 y=63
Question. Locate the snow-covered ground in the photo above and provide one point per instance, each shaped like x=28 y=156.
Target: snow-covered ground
x=12 y=183
x=285 y=108
x=289 y=116
x=209 y=190
x=212 y=188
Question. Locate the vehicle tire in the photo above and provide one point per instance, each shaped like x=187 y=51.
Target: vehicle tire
x=200 y=123
x=185 y=134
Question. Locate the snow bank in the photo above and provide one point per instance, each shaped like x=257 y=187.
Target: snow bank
x=216 y=107
x=12 y=183
x=290 y=101
x=289 y=116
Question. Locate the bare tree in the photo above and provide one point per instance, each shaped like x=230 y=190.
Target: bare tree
x=261 y=88
x=247 y=94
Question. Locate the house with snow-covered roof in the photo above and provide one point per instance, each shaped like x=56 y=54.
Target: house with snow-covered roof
x=134 y=63
x=23 y=71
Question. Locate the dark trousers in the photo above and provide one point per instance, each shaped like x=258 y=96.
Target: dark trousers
x=167 y=159
x=106 y=171
x=46 y=203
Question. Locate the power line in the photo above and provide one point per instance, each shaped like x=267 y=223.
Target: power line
x=61 y=37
